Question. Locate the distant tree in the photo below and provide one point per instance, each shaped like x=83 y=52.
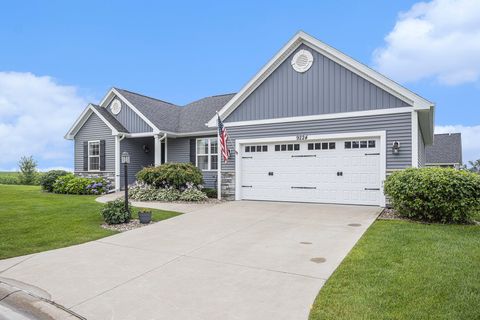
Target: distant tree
x=474 y=166
x=28 y=170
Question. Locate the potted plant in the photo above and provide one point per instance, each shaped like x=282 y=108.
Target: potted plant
x=145 y=216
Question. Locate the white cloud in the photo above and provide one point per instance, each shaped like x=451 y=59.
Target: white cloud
x=439 y=39
x=470 y=145
x=35 y=113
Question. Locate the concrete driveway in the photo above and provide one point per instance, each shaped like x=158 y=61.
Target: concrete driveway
x=235 y=260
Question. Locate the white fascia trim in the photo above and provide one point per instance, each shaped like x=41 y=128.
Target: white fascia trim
x=383 y=153
x=89 y=110
x=321 y=117
x=415 y=144
x=113 y=92
x=333 y=54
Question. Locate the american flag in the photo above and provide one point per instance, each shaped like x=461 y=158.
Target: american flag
x=222 y=133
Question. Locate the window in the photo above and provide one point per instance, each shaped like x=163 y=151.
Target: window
x=321 y=146
x=256 y=148
x=289 y=147
x=207 y=154
x=93 y=155
x=362 y=144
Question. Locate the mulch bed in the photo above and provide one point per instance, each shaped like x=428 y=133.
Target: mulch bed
x=390 y=214
x=122 y=227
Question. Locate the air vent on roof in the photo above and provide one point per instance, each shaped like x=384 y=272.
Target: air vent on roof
x=116 y=106
x=302 y=61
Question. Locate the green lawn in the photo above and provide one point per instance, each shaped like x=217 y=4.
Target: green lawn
x=406 y=270
x=33 y=221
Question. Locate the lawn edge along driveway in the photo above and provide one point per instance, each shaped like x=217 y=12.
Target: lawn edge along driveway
x=33 y=221
x=406 y=270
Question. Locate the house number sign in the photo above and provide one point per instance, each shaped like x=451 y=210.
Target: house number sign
x=302 y=137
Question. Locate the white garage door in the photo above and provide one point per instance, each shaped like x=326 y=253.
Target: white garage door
x=343 y=171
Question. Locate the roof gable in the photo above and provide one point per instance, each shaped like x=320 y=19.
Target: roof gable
x=326 y=87
x=354 y=66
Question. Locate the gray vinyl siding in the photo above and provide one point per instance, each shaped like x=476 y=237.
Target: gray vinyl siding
x=179 y=151
x=130 y=119
x=397 y=127
x=138 y=157
x=95 y=129
x=421 y=150
x=326 y=87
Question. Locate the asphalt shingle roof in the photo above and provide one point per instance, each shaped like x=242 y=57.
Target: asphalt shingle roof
x=179 y=119
x=111 y=119
x=446 y=148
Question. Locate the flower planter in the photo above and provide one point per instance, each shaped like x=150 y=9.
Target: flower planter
x=145 y=217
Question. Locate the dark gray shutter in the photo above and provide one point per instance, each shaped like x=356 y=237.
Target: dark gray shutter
x=193 y=149
x=85 y=155
x=102 y=155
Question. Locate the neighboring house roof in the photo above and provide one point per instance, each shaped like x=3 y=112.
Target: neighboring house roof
x=169 y=117
x=110 y=119
x=446 y=149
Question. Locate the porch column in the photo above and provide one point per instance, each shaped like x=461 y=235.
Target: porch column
x=117 y=163
x=158 y=149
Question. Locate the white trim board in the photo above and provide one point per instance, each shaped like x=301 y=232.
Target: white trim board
x=87 y=112
x=320 y=117
x=351 y=64
x=380 y=134
x=114 y=92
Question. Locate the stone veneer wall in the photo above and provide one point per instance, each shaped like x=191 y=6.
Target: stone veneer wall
x=228 y=185
x=107 y=175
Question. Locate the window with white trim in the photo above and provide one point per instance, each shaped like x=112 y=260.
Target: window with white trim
x=93 y=155
x=207 y=154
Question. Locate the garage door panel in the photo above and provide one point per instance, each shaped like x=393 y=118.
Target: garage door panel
x=337 y=175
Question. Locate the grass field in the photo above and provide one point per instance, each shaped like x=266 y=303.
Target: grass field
x=406 y=270
x=33 y=221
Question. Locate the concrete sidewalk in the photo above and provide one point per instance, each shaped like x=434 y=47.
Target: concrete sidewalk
x=235 y=260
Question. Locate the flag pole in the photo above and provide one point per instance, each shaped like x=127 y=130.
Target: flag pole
x=219 y=162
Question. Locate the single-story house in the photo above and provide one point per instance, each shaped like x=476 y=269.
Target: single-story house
x=313 y=125
x=445 y=152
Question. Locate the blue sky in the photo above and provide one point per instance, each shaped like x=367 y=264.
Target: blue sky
x=181 y=51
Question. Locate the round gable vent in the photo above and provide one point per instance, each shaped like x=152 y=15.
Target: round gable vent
x=116 y=106
x=302 y=61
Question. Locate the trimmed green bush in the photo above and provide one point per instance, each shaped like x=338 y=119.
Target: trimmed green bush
x=71 y=184
x=48 y=179
x=210 y=192
x=175 y=175
x=435 y=194
x=114 y=212
x=193 y=194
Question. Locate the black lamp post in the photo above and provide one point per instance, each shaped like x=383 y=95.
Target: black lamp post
x=126 y=161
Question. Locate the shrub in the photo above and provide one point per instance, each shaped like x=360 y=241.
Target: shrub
x=210 y=192
x=114 y=212
x=9 y=178
x=28 y=170
x=144 y=192
x=193 y=194
x=48 y=179
x=176 y=175
x=435 y=194
x=71 y=184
